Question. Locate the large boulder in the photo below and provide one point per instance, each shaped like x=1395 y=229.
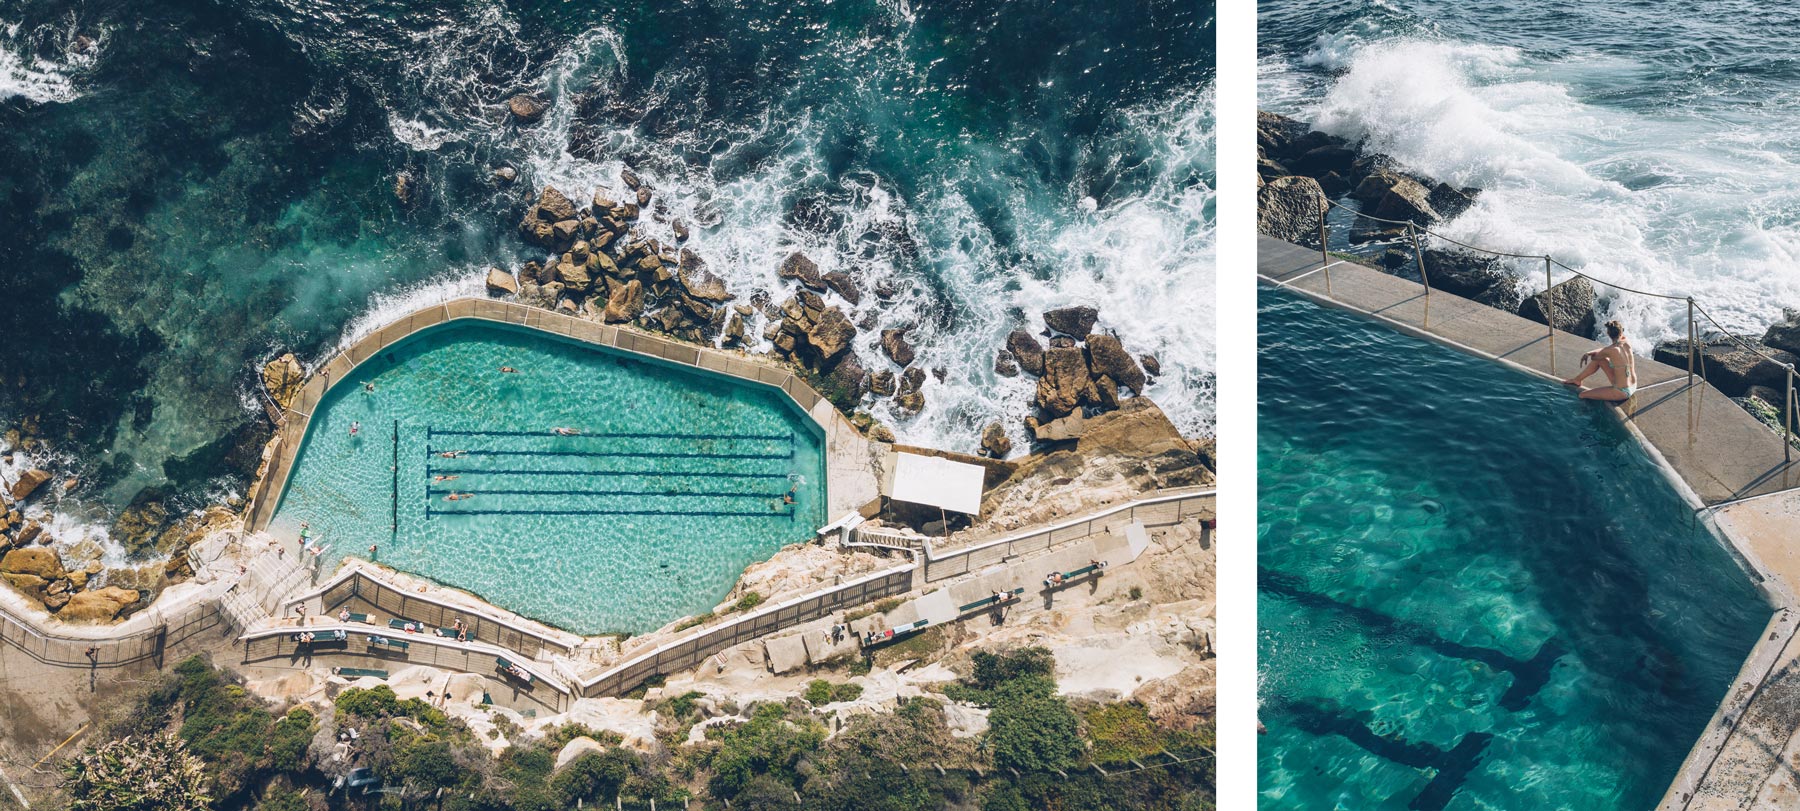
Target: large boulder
x=99 y=605
x=1072 y=321
x=831 y=336
x=1026 y=351
x=1731 y=368
x=994 y=441
x=847 y=381
x=1066 y=383
x=1479 y=278
x=526 y=108
x=31 y=480
x=798 y=267
x=626 y=303
x=282 y=378
x=896 y=347
x=1109 y=358
x=1450 y=202
x=501 y=283
x=40 y=561
x=1276 y=133
x=1571 y=304
x=1289 y=208
x=1406 y=200
x=554 y=206
x=704 y=285
x=1785 y=335
x=841 y=283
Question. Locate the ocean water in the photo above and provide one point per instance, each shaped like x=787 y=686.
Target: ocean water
x=190 y=187
x=675 y=484
x=1474 y=591
x=1650 y=145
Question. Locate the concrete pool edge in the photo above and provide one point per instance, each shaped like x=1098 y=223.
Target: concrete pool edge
x=1764 y=551
x=853 y=464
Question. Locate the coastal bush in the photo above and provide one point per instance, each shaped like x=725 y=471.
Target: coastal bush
x=594 y=776
x=770 y=745
x=861 y=768
x=151 y=773
x=1033 y=729
x=748 y=601
x=1121 y=732
x=818 y=691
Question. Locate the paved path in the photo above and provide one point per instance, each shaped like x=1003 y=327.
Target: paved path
x=1748 y=758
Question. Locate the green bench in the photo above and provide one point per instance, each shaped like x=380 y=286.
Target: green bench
x=358 y=672
x=513 y=670
x=355 y=617
x=872 y=638
x=402 y=625
x=450 y=633
x=398 y=644
x=990 y=601
x=1092 y=568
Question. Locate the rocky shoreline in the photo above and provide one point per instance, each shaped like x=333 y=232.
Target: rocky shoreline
x=1298 y=168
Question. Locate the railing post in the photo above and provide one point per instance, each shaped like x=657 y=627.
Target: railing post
x=1324 y=250
x=1787 y=419
x=1424 y=277
x=1691 y=347
x=1550 y=314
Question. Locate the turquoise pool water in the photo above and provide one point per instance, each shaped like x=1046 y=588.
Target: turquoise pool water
x=675 y=484
x=1475 y=592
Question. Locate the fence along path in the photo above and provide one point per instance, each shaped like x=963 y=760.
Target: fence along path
x=1721 y=453
x=265 y=494
x=152 y=644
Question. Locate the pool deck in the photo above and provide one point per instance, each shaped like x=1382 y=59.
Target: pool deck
x=854 y=465
x=1729 y=466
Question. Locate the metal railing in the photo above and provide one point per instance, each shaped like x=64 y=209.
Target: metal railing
x=77 y=652
x=1696 y=360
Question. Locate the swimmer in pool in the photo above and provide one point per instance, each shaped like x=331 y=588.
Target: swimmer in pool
x=355 y=428
x=451 y=454
x=788 y=498
x=458 y=496
x=444 y=478
x=508 y=370
x=1617 y=361
x=563 y=431
x=369 y=387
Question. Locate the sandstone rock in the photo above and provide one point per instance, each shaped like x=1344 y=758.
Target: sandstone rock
x=631 y=179
x=1320 y=160
x=573 y=277
x=911 y=402
x=501 y=283
x=831 y=336
x=29 y=481
x=806 y=271
x=1108 y=357
x=1152 y=366
x=526 y=108
x=626 y=303
x=994 y=441
x=1289 y=208
x=29 y=584
x=681 y=230
x=912 y=380
x=1785 y=334
x=1065 y=384
x=1005 y=365
x=1026 y=350
x=881 y=433
x=1062 y=342
x=553 y=206
x=1571 y=303
x=1407 y=200
x=1106 y=393
x=882 y=383
x=841 y=283
x=102 y=605
x=1137 y=430
x=40 y=561
x=1061 y=429
x=1073 y=321
x=282 y=378
x=29 y=532
x=703 y=285
x=896 y=347
x=1731 y=368
x=848 y=380
x=1276 y=133
x=505 y=174
x=735 y=330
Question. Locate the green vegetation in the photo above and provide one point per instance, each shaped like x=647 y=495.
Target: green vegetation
x=227 y=749
x=748 y=601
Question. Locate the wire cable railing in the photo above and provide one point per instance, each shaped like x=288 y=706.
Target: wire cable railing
x=1696 y=360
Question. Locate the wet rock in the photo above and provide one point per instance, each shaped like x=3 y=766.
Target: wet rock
x=681 y=230
x=1333 y=184
x=1152 y=366
x=1289 y=208
x=28 y=483
x=1474 y=277
x=404 y=188
x=994 y=441
x=1785 y=334
x=504 y=175
x=705 y=286
x=797 y=266
x=29 y=533
x=526 y=108
x=1066 y=383
x=841 y=283
x=1406 y=200
x=735 y=330
x=911 y=402
x=1570 y=303
x=1072 y=321
x=896 y=347
x=1062 y=342
x=643 y=196
x=101 y=605
x=501 y=283
x=1108 y=357
x=1324 y=159
x=282 y=378
x=1026 y=350
x=847 y=381
x=1005 y=365
x=1451 y=202
x=630 y=179
x=626 y=303
x=1275 y=134
x=1731 y=368
x=831 y=336
x=573 y=277
x=882 y=383
x=912 y=380
x=554 y=206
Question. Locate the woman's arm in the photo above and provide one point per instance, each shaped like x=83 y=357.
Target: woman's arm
x=1592 y=367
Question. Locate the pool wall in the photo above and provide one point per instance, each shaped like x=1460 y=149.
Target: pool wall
x=853 y=464
x=1732 y=469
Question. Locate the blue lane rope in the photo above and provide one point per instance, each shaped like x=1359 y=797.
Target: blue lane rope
x=431 y=511
x=694 y=494
x=431 y=432
x=431 y=471
x=610 y=454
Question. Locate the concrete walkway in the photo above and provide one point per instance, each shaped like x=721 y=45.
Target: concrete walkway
x=1715 y=453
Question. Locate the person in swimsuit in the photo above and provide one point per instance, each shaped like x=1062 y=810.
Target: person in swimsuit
x=1617 y=361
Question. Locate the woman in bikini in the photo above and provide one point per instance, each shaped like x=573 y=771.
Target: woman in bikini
x=1618 y=362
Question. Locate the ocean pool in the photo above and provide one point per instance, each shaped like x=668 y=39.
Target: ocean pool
x=1475 y=592
x=674 y=485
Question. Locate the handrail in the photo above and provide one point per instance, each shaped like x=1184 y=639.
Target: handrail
x=1695 y=357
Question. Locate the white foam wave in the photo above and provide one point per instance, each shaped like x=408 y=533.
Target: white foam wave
x=386 y=307
x=25 y=74
x=1670 y=200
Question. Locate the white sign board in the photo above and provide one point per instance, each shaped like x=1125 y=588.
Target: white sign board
x=954 y=486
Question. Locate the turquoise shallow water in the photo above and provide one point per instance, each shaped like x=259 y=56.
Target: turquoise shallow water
x=1475 y=592
x=675 y=485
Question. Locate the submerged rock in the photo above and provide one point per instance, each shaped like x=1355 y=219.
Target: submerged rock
x=526 y=108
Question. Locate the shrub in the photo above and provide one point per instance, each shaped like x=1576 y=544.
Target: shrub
x=770 y=744
x=1031 y=728
x=1121 y=732
x=748 y=601
x=594 y=776
x=818 y=691
x=153 y=773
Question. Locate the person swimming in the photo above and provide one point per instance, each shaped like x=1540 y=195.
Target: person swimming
x=444 y=478
x=1620 y=365
x=355 y=428
x=508 y=370
x=369 y=387
x=451 y=454
x=788 y=497
x=565 y=431
x=458 y=496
